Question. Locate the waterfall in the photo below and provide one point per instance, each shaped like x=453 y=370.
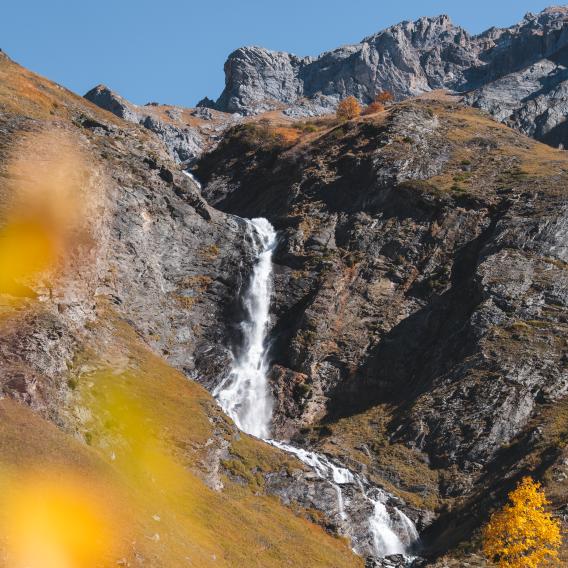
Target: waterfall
x=385 y=540
x=244 y=395
x=192 y=178
x=387 y=536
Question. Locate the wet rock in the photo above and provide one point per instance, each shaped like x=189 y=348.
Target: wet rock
x=396 y=561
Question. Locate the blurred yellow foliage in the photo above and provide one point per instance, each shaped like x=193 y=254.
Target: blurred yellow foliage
x=56 y=520
x=26 y=248
x=42 y=208
x=523 y=534
x=132 y=434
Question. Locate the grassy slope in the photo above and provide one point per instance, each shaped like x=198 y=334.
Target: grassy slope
x=197 y=526
x=233 y=527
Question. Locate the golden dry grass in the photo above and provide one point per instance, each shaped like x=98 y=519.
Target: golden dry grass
x=196 y=526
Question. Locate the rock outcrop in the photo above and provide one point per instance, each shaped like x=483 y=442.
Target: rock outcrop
x=517 y=74
x=186 y=133
x=533 y=100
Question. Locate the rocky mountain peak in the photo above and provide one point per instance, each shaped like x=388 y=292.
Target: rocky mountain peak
x=422 y=33
x=552 y=13
x=517 y=73
x=105 y=98
x=185 y=132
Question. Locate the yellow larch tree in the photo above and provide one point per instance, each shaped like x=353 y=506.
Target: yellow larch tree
x=348 y=108
x=523 y=534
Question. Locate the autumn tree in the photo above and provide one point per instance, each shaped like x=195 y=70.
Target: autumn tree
x=523 y=534
x=384 y=97
x=348 y=108
x=373 y=108
x=378 y=105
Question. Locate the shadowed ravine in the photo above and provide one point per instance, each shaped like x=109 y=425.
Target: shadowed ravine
x=245 y=396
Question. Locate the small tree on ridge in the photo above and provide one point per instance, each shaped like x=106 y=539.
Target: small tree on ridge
x=348 y=108
x=384 y=97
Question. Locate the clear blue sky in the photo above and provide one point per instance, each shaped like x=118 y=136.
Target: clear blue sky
x=172 y=51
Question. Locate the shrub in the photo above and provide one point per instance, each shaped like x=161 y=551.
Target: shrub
x=384 y=97
x=523 y=534
x=373 y=108
x=348 y=108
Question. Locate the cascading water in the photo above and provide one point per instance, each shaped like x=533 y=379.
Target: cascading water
x=387 y=536
x=192 y=178
x=244 y=396
x=244 y=393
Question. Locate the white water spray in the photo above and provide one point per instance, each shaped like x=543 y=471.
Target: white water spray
x=387 y=537
x=192 y=178
x=385 y=540
x=244 y=396
x=244 y=393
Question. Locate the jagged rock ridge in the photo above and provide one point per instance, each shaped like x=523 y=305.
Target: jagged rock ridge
x=518 y=73
x=186 y=133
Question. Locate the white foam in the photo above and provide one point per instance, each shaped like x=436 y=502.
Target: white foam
x=244 y=394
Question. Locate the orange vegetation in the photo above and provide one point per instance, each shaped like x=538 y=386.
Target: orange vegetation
x=523 y=534
x=348 y=108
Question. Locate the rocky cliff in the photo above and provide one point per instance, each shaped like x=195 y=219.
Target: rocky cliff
x=186 y=133
x=420 y=299
x=417 y=325
x=517 y=74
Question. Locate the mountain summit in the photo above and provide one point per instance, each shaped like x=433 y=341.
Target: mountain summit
x=518 y=73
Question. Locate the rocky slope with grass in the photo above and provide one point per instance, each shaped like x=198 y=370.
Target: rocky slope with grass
x=417 y=326
x=101 y=334
x=420 y=299
x=186 y=132
x=518 y=74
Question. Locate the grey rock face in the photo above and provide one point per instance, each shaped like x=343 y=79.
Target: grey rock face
x=533 y=100
x=517 y=74
x=258 y=79
x=184 y=140
x=105 y=98
x=421 y=268
x=184 y=144
x=164 y=260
